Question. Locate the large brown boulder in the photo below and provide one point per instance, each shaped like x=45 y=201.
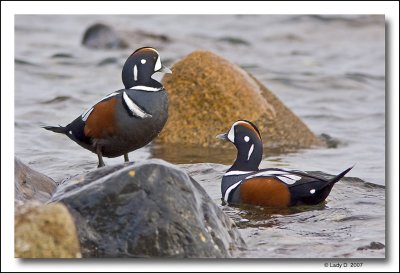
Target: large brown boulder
x=30 y=184
x=45 y=231
x=207 y=93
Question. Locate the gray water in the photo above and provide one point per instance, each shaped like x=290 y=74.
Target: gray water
x=330 y=71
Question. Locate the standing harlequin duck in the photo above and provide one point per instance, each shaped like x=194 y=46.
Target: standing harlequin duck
x=244 y=183
x=127 y=119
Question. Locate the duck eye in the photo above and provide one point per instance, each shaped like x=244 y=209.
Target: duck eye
x=246 y=138
x=143 y=61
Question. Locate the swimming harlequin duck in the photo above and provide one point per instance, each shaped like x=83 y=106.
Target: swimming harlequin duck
x=127 y=119
x=245 y=183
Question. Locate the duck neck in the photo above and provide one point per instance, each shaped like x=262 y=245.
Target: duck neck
x=150 y=82
x=248 y=160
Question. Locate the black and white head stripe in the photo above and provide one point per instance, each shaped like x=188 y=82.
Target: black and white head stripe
x=250 y=151
x=157 y=65
x=135 y=72
x=245 y=123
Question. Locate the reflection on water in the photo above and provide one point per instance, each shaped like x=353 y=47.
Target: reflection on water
x=185 y=154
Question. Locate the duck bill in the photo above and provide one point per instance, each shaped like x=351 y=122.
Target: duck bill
x=223 y=137
x=165 y=70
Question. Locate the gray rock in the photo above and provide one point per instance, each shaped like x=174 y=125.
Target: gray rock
x=372 y=245
x=102 y=36
x=30 y=185
x=150 y=209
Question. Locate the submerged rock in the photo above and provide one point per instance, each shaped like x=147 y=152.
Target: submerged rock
x=30 y=184
x=372 y=245
x=208 y=93
x=45 y=231
x=150 y=209
x=102 y=36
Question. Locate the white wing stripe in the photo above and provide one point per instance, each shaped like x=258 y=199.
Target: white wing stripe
x=283 y=176
x=286 y=180
x=292 y=176
x=109 y=96
x=268 y=173
x=87 y=113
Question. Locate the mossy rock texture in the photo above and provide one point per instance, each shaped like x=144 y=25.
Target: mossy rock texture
x=45 y=231
x=207 y=93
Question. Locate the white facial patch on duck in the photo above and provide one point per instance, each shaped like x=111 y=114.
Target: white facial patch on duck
x=246 y=138
x=143 y=61
x=312 y=191
x=134 y=108
x=158 y=64
x=135 y=72
x=250 y=152
x=231 y=134
x=283 y=176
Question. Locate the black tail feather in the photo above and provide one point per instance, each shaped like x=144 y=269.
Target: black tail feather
x=339 y=176
x=55 y=129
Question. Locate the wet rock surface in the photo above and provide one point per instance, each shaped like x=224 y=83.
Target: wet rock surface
x=149 y=209
x=214 y=93
x=30 y=184
x=45 y=231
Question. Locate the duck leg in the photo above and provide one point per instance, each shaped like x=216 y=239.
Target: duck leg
x=126 y=158
x=100 y=156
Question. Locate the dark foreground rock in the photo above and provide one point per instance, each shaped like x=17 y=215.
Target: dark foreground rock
x=30 y=184
x=45 y=231
x=151 y=209
x=207 y=93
